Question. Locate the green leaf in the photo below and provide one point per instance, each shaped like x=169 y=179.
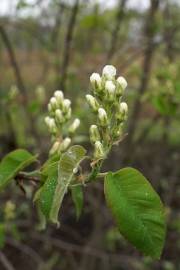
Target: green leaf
x=60 y=175
x=77 y=197
x=12 y=163
x=137 y=209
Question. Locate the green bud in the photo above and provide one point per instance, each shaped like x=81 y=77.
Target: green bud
x=54 y=148
x=92 y=102
x=94 y=133
x=122 y=111
x=96 y=81
x=59 y=116
x=102 y=115
x=53 y=103
x=99 y=151
x=68 y=114
x=59 y=97
x=66 y=105
x=110 y=90
x=65 y=144
x=74 y=125
x=121 y=85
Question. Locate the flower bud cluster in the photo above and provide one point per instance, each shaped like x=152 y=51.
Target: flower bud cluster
x=59 y=122
x=111 y=112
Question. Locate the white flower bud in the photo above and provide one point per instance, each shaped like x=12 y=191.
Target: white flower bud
x=46 y=120
x=74 y=125
x=122 y=84
x=92 y=102
x=68 y=114
x=50 y=107
x=123 y=108
x=109 y=72
x=96 y=81
x=99 y=151
x=52 y=125
x=122 y=111
x=59 y=96
x=110 y=89
x=102 y=115
x=94 y=133
x=53 y=103
x=59 y=116
x=65 y=144
x=50 y=122
x=66 y=105
x=54 y=148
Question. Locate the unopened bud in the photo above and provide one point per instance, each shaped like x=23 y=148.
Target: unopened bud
x=122 y=111
x=68 y=114
x=99 y=151
x=59 y=97
x=46 y=120
x=92 y=102
x=66 y=105
x=53 y=103
x=102 y=115
x=50 y=122
x=50 y=107
x=52 y=125
x=123 y=108
x=94 y=133
x=109 y=72
x=59 y=116
x=65 y=144
x=121 y=85
x=96 y=81
x=74 y=125
x=54 y=148
x=110 y=89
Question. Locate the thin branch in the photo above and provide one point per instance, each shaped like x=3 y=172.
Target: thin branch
x=13 y=61
x=5 y=262
x=19 y=79
x=68 y=45
x=115 y=32
x=28 y=251
x=146 y=67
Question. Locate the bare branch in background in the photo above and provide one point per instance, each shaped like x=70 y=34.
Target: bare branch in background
x=170 y=31
x=13 y=61
x=146 y=69
x=5 y=262
x=115 y=32
x=19 y=80
x=68 y=44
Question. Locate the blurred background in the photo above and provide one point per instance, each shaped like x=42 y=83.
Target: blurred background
x=54 y=44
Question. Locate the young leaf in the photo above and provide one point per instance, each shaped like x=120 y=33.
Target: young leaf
x=12 y=163
x=137 y=209
x=77 y=197
x=59 y=178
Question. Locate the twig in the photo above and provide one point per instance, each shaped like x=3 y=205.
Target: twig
x=68 y=44
x=148 y=52
x=26 y=250
x=5 y=262
x=115 y=32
